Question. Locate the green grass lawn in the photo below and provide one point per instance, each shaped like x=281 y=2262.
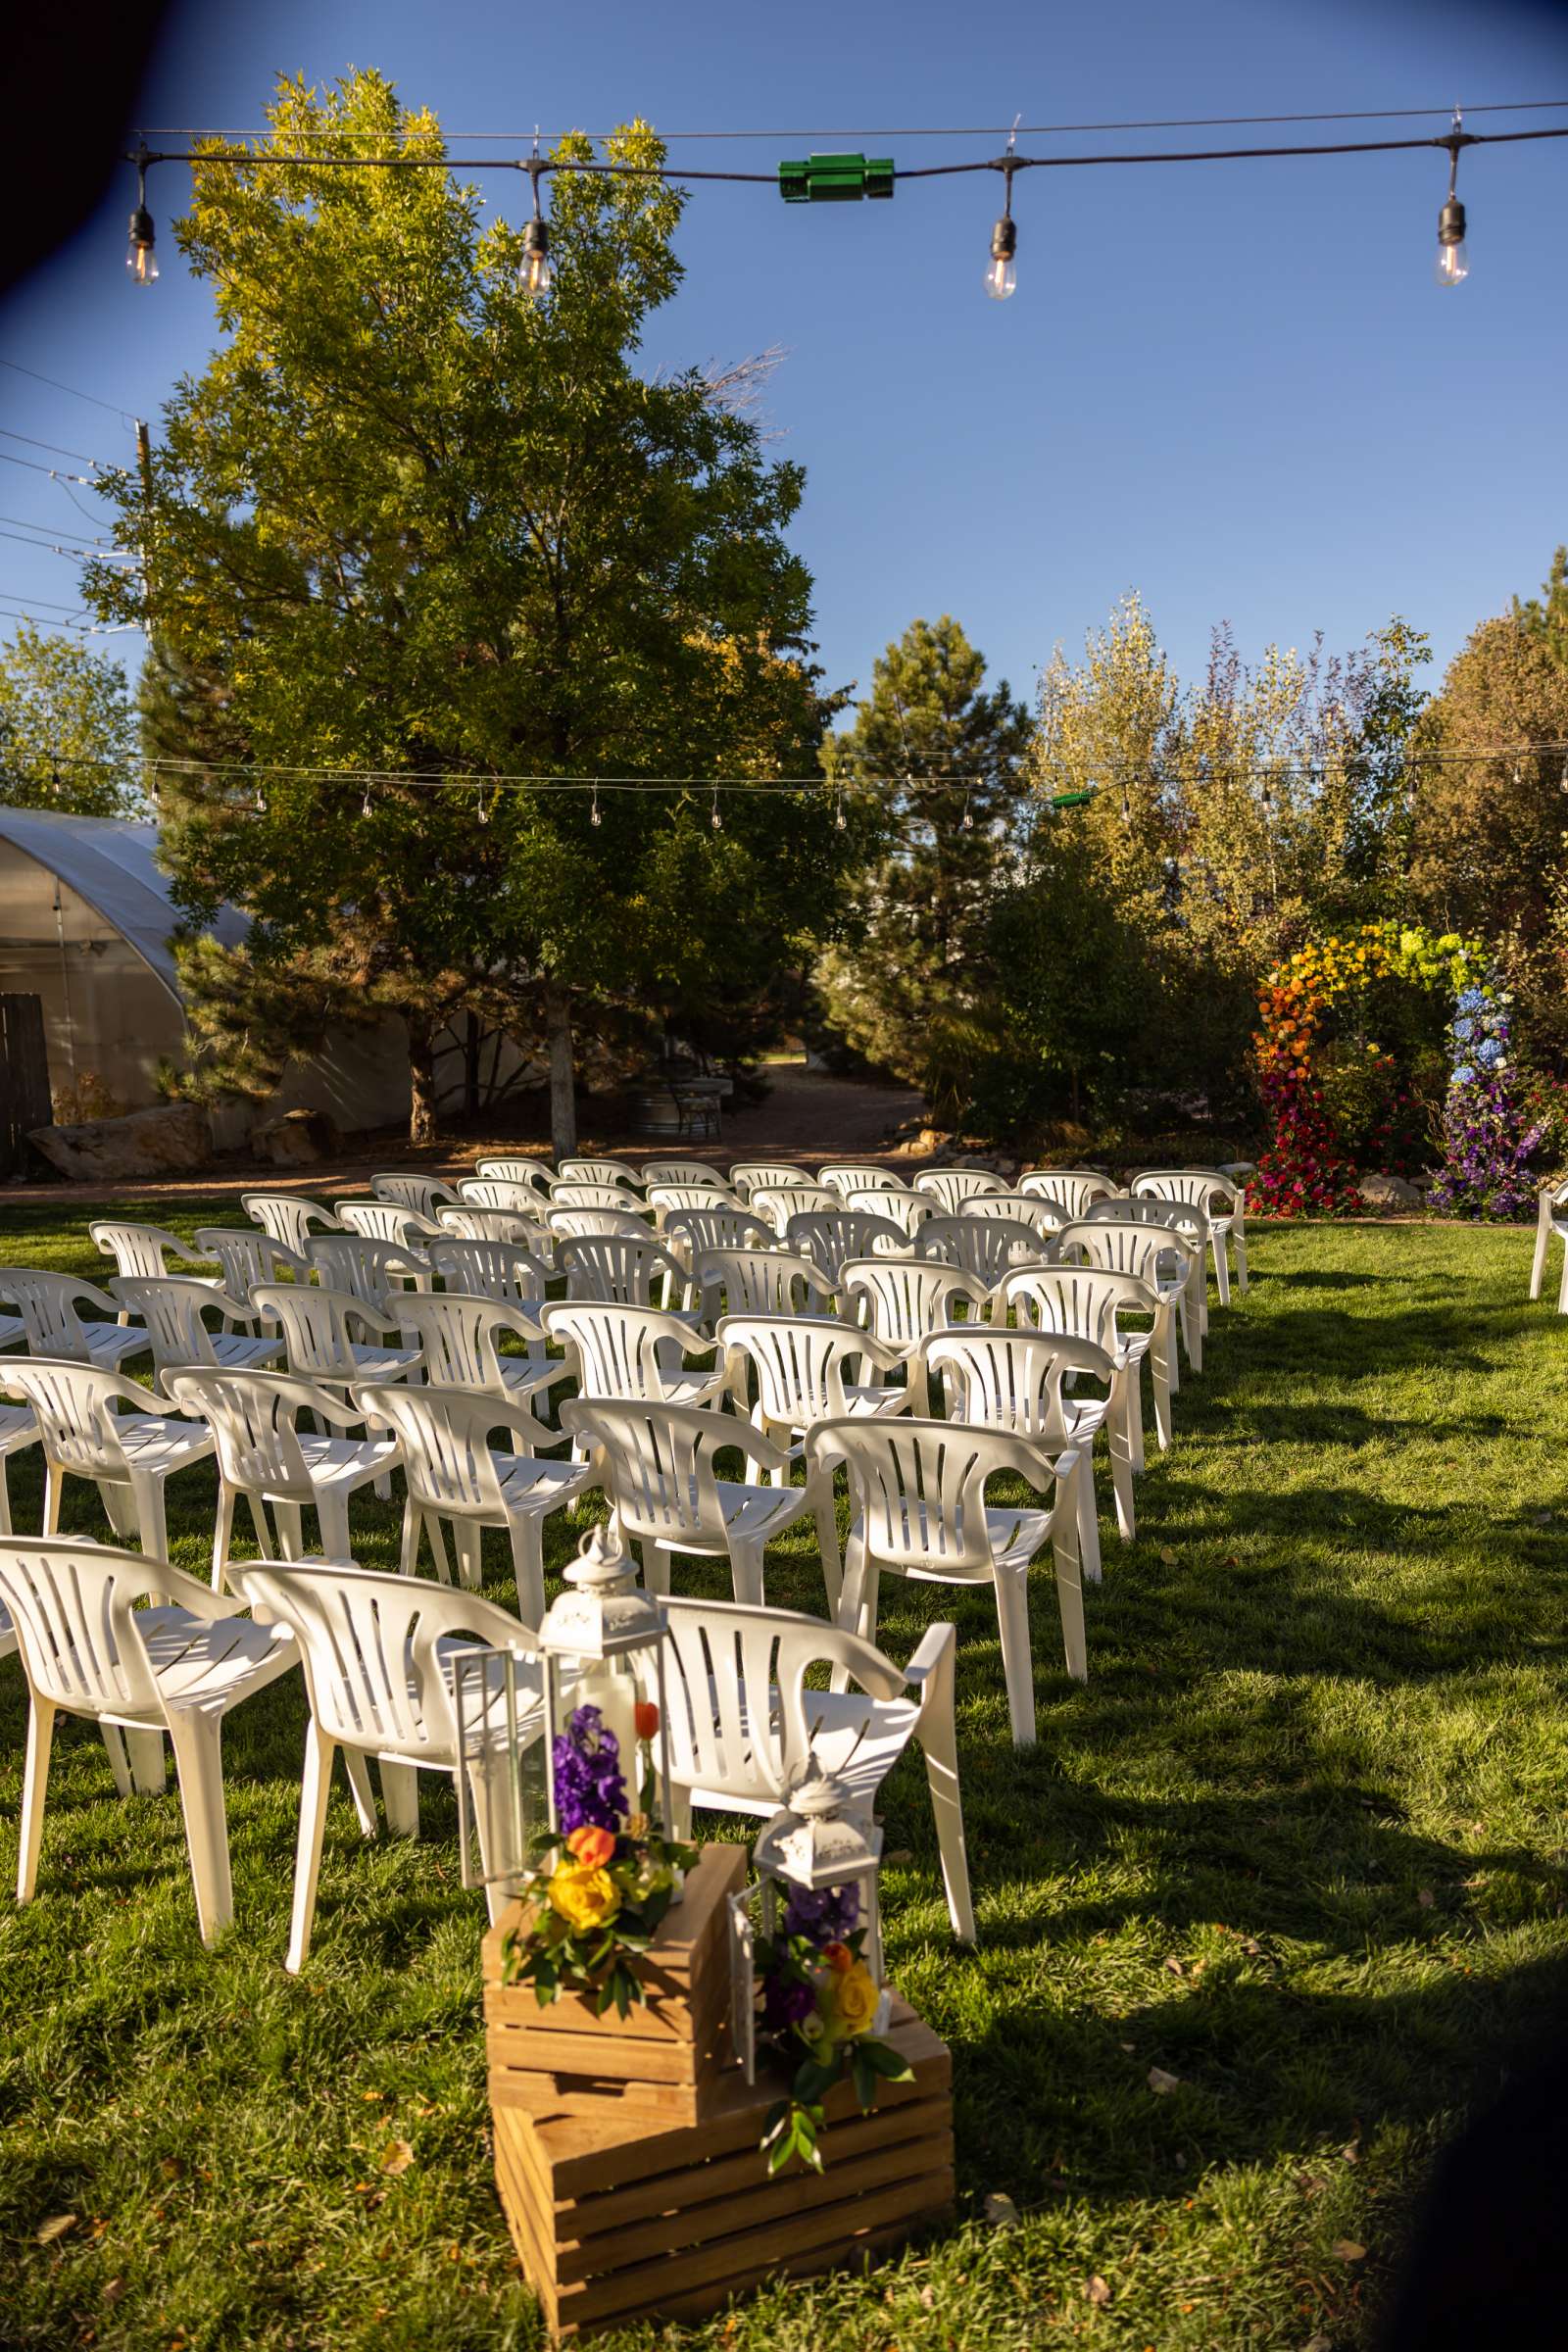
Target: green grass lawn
x=1298 y=1843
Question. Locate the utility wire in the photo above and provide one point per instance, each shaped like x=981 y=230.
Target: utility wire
x=53 y=471
x=24 y=522
x=28 y=440
x=56 y=385
x=1373 y=114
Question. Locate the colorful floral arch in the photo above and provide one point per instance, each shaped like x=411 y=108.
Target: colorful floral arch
x=1305 y=1170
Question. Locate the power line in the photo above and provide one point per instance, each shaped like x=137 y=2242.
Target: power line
x=74 y=606
x=27 y=438
x=56 y=385
x=24 y=522
x=1374 y=114
x=53 y=471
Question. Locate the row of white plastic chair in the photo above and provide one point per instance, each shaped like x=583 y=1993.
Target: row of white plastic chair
x=144 y=1650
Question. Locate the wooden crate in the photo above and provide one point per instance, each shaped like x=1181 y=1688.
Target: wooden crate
x=616 y=2217
x=665 y=2058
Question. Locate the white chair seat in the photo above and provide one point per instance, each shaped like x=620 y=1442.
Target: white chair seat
x=234 y=1349
x=151 y=1443
x=383 y=1363
x=19 y=1427
x=12 y=1329
x=207 y=1666
x=110 y=1343
x=752 y=1513
x=529 y=1483
x=342 y=1463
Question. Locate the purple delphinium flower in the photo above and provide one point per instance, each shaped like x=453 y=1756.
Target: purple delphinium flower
x=590 y=1792
x=786 y=2000
x=825 y=1915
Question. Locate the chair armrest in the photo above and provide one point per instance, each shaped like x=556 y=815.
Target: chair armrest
x=938 y=1647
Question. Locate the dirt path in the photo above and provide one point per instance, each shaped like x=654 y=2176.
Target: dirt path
x=809 y=1116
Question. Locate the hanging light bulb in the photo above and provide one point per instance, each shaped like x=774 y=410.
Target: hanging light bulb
x=141 y=262
x=1453 y=261
x=715 y=821
x=967 y=821
x=1001 y=274
x=594 y=817
x=534 y=274
x=842 y=821
x=484 y=809
x=364 y=804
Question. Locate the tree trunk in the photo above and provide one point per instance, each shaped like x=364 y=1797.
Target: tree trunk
x=562 y=1072
x=473 y=1038
x=422 y=1078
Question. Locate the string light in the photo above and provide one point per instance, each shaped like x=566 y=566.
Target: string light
x=841 y=821
x=140 y=260
x=1454 y=263
x=877 y=177
x=364 y=804
x=594 y=817
x=715 y=821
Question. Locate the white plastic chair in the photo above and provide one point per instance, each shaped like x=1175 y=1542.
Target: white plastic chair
x=1027 y=1381
x=1551 y=1223
x=1043 y=1216
x=687 y=1231
x=684 y=1171
x=1188 y=1228
x=519 y=1196
x=832 y=1237
x=493 y=1269
x=456 y=1337
x=662 y=1198
x=625 y=1271
x=264 y=1456
x=18 y=1429
x=985 y=1246
x=778 y=1202
x=494 y=1225
x=424 y=1195
x=758 y=1281
x=1219 y=1201
x=747 y=1177
x=48 y=1305
x=179 y=1666
x=537 y=1175
x=248 y=1257
x=377 y=1652
x=847 y=1177
x=576 y=1224
x=655 y=1463
x=288 y=1217
x=602 y=1170
x=380 y=1274
x=1154 y=1257
x=741 y=1723
x=634 y=1352
x=950 y=1187
x=1074 y=1188
x=385 y=1221
x=906 y=1210
x=319 y=1327
x=172 y=1309
x=918 y=1511
x=142 y=1249
x=1088 y=1302
x=453 y=1474
x=565 y=1195
x=129 y=1454
x=903 y=1299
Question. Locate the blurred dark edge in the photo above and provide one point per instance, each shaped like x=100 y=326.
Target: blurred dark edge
x=74 y=72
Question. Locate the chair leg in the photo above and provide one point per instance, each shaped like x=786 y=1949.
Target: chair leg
x=412 y=1524
x=1222 y=1270
x=145 y=1749
x=1119 y=1434
x=198 y=1762
x=1086 y=1510
x=827 y=1544
x=400 y=1795
x=528 y=1565
x=115 y=1750
x=223 y=1534
x=467 y=1542
x=35 y=1783
x=119 y=1508
x=54 y=1480
x=332 y=1516
x=438 y=1546
x=1159 y=1358
x=1070 y=1602
x=1017 y=1658
x=939 y=1740
x=355 y=1765
x=1562 y=1287
x=1538 y=1269
x=271 y=1550
x=314 y=1791
x=746 y=1572
x=1239 y=1237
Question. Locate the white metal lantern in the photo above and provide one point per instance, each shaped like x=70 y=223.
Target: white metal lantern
x=500 y=1725
x=819 y=1844
x=602 y=1645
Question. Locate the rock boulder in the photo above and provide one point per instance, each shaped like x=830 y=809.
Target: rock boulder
x=1389 y=1192
x=296 y=1140
x=170 y=1140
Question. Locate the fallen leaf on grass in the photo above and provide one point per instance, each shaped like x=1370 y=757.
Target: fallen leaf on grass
x=1159 y=2082
x=928 y=2298
x=113 y=2291
x=1346 y=2249
x=395 y=2156
x=1177 y=1967
x=1000 y=2211
x=372 y=2096
x=1425 y=1898
x=172 y=2168
x=55 y=2227
x=1318 y=2343
x=1167 y=1555
x=1096 y=2290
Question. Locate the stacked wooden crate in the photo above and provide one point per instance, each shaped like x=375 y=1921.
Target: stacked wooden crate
x=627 y=2151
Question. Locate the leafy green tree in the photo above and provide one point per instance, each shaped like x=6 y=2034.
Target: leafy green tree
x=68 y=737
x=939 y=763
x=414 y=521
x=1544 y=617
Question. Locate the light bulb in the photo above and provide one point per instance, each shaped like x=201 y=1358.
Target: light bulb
x=1454 y=263
x=1001 y=274
x=141 y=262
x=535 y=276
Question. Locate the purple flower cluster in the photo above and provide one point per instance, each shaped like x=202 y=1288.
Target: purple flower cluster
x=1487 y=1136
x=825 y=1915
x=786 y=2000
x=590 y=1792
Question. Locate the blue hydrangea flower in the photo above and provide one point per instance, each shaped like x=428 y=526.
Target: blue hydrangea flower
x=1472 y=999
x=1490 y=1051
x=1463 y=1074
x=1463 y=1029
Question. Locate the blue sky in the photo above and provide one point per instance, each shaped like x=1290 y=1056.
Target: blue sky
x=1234 y=387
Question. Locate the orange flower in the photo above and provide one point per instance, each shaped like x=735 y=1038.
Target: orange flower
x=839 y=1958
x=590 y=1846
x=646 y=1715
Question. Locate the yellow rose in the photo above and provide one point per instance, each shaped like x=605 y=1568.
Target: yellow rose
x=854 y=1998
x=585 y=1896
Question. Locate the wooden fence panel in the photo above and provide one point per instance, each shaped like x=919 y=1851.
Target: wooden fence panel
x=25 y=1102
